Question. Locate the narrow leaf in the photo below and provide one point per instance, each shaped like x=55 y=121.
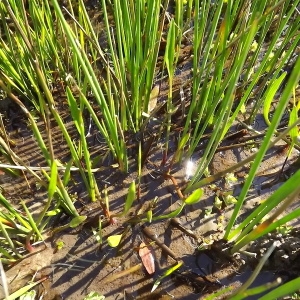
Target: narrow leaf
x=149 y=216
x=183 y=141
x=173 y=214
x=194 y=197
x=283 y=290
x=170 y=48
x=77 y=221
x=166 y=273
x=67 y=173
x=31 y=295
x=24 y=289
x=74 y=108
x=53 y=179
x=130 y=197
x=293 y=132
x=270 y=95
x=94 y=296
x=54 y=212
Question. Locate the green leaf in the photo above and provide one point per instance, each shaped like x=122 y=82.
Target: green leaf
x=216 y=295
x=194 y=197
x=270 y=95
x=283 y=290
x=130 y=197
x=170 y=48
x=265 y=208
x=256 y=290
x=67 y=173
x=59 y=244
x=94 y=296
x=32 y=221
x=53 y=179
x=149 y=216
x=285 y=96
x=75 y=112
x=173 y=214
x=28 y=295
x=114 y=240
x=165 y=274
x=54 y=212
x=229 y=199
x=243 y=108
x=14 y=212
x=24 y=289
x=293 y=132
x=77 y=221
x=179 y=150
x=183 y=141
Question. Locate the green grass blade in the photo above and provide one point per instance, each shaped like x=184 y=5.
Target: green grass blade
x=165 y=274
x=53 y=180
x=173 y=214
x=294 y=78
x=109 y=118
x=258 y=214
x=14 y=212
x=260 y=289
x=130 y=197
x=24 y=289
x=283 y=290
x=32 y=221
x=270 y=96
x=239 y=294
x=9 y=240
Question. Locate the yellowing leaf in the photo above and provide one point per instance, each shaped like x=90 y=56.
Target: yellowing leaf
x=153 y=98
x=114 y=240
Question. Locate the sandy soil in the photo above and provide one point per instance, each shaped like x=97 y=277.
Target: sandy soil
x=83 y=265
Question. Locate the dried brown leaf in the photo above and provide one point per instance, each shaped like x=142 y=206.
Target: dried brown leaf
x=147 y=258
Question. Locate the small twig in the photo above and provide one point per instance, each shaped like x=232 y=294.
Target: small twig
x=178 y=190
x=224 y=148
x=175 y=223
x=72 y=267
x=121 y=274
x=163 y=247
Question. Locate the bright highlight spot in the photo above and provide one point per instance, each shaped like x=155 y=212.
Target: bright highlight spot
x=190 y=169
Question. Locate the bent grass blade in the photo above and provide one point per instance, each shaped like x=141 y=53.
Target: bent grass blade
x=166 y=274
